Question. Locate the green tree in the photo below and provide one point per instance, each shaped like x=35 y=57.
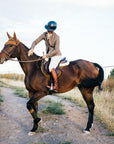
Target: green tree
x=111 y=74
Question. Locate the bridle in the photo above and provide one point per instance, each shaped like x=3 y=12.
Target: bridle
x=5 y=52
x=14 y=43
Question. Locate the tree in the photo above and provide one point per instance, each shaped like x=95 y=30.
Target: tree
x=111 y=74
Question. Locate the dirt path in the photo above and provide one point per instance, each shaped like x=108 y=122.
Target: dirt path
x=15 y=123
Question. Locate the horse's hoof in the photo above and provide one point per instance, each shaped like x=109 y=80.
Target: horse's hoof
x=40 y=123
x=86 y=132
x=31 y=133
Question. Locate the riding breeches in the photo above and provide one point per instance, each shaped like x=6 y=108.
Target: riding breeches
x=54 y=62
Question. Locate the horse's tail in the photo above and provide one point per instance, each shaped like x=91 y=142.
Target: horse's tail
x=100 y=77
x=92 y=82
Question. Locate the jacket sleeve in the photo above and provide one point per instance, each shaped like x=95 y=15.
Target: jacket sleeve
x=55 y=50
x=41 y=37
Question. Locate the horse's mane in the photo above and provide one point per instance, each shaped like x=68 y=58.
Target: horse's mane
x=34 y=56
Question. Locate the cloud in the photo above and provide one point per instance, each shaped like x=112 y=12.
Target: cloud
x=89 y=3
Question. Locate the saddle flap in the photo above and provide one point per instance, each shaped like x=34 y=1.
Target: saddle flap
x=45 y=69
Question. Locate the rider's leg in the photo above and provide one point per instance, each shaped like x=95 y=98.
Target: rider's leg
x=54 y=75
x=53 y=64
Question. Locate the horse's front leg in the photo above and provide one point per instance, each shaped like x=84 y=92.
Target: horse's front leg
x=32 y=106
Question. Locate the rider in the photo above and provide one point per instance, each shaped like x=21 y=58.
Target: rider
x=52 y=42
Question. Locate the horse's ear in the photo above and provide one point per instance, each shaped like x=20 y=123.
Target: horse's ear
x=14 y=36
x=9 y=35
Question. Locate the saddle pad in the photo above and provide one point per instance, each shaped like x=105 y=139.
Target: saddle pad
x=47 y=74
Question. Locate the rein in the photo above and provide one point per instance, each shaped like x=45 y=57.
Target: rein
x=20 y=60
x=25 y=61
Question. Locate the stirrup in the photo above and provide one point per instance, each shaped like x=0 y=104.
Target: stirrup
x=50 y=88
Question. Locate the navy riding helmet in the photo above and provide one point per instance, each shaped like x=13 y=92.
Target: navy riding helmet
x=51 y=26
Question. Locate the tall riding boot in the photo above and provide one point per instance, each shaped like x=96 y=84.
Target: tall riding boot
x=54 y=75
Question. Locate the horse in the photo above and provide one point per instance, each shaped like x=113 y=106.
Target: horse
x=81 y=73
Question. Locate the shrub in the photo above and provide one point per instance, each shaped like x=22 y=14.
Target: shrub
x=54 y=108
x=111 y=74
x=20 y=92
x=1 y=100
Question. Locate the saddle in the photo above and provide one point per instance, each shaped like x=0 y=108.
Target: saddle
x=45 y=67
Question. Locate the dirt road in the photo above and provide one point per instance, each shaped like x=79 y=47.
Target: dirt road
x=15 y=123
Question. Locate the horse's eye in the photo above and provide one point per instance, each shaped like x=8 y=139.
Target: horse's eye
x=11 y=45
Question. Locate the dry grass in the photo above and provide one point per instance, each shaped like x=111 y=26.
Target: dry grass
x=11 y=82
x=104 y=108
x=74 y=96
x=108 y=84
x=13 y=76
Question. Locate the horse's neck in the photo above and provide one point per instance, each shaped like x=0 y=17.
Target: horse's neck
x=22 y=55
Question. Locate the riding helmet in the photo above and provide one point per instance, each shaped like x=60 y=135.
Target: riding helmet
x=51 y=26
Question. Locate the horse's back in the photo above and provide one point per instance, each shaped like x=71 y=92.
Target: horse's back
x=85 y=67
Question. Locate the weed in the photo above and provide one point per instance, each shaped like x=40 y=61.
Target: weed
x=38 y=143
x=20 y=92
x=48 y=101
x=2 y=84
x=67 y=98
x=54 y=108
x=1 y=100
x=111 y=134
x=41 y=130
x=67 y=142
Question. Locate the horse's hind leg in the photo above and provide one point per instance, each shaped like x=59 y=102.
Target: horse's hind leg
x=88 y=97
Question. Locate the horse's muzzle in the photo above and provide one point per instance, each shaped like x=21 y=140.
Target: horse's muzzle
x=2 y=60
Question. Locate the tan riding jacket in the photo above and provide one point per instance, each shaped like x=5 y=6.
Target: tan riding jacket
x=52 y=44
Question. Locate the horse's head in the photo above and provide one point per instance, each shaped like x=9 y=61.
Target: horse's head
x=9 y=48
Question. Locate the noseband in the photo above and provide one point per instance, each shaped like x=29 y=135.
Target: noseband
x=5 y=52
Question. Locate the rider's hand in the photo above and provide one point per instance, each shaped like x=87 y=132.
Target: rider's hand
x=44 y=57
x=30 y=52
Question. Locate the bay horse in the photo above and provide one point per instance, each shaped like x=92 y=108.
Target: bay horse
x=81 y=73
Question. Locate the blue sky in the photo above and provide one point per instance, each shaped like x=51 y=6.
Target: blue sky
x=85 y=27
